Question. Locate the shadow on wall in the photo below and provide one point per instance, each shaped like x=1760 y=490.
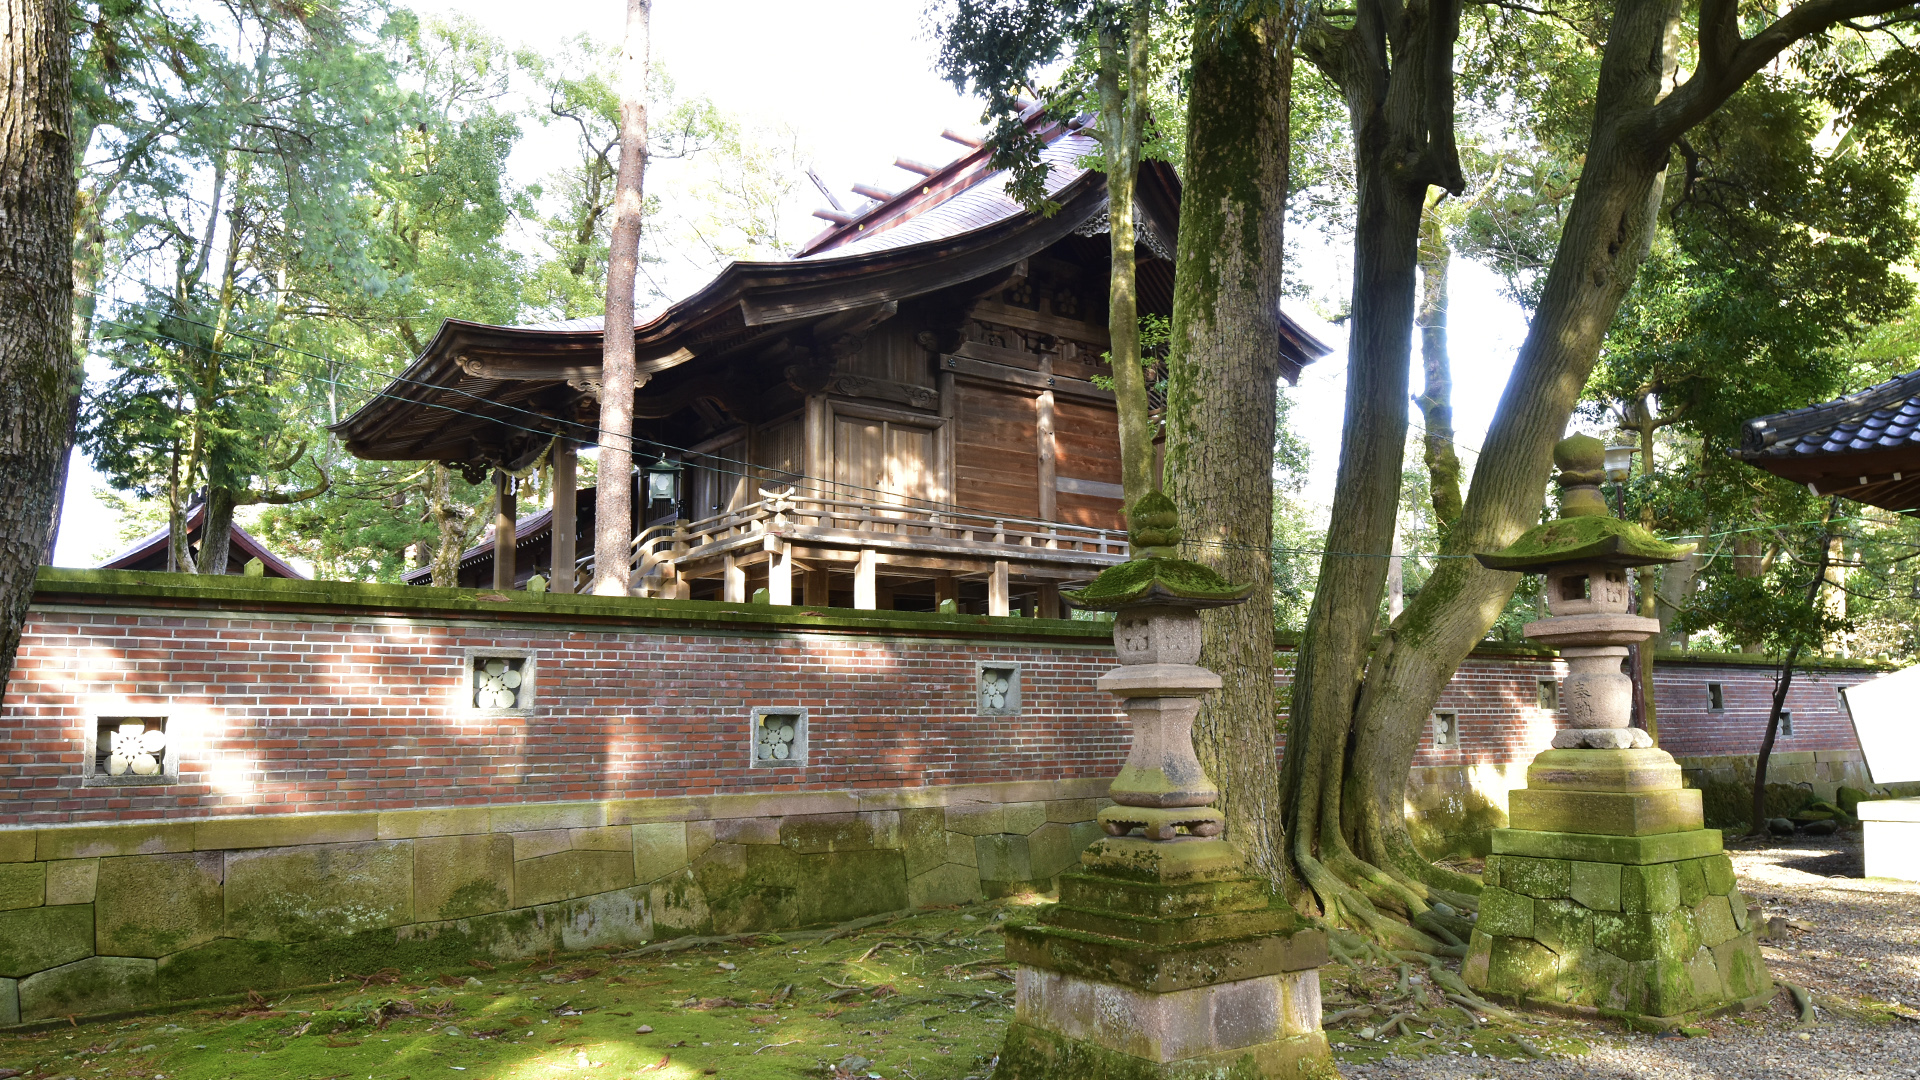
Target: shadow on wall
x=1453 y=809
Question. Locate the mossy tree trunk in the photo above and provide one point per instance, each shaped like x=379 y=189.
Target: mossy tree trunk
x=1436 y=395
x=36 y=291
x=1122 y=83
x=1394 y=66
x=1222 y=386
x=1358 y=718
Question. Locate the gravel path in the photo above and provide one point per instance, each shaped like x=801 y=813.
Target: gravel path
x=1859 y=955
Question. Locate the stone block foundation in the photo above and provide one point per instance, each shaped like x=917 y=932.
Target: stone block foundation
x=97 y=918
x=1651 y=927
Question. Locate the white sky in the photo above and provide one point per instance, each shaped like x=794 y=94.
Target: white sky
x=856 y=80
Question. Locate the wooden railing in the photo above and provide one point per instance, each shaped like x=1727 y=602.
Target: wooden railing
x=658 y=549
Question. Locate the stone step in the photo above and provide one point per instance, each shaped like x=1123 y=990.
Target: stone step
x=1087 y=889
x=1603 y=770
x=1628 y=850
x=1613 y=813
x=1208 y=926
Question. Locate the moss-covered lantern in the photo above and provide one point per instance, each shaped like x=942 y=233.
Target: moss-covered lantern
x=1163 y=959
x=1606 y=891
x=1585 y=554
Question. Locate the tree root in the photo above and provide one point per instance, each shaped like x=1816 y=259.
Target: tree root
x=1803 y=1002
x=1360 y=1013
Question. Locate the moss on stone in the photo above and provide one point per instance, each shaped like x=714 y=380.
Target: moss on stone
x=1522 y=967
x=1540 y=878
x=22 y=885
x=130 y=588
x=1596 y=885
x=321 y=891
x=35 y=939
x=1589 y=538
x=1153 y=526
x=1562 y=925
x=1693 y=883
x=152 y=905
x=94 y=984
x=1032 y=1054
x=1649 y=888
x=1143 y=581
x=747 y=886
x=567 y=875
x=1504 y=913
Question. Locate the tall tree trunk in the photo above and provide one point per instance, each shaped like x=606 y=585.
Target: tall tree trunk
x=613 y=499
x=1395 y=69
x=36 y=291
x=1783 y=681
x=451 y=534
x=1121 y=120
x=216 y=531
x=89 y=261
x=1436 y=397
x=1223 y=381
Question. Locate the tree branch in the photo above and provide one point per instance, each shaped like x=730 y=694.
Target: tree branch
x=1727 y=62
x=1325 y=46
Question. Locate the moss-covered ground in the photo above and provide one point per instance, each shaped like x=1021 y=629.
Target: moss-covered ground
x=925 y=997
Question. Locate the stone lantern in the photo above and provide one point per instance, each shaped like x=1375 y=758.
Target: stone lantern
x=1606 y=891
x=1163 y=957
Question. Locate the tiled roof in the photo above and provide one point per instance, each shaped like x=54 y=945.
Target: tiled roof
x=1864 y=447
x=1883 y=417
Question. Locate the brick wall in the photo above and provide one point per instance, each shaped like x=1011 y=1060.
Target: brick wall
x=290 y=715
x=278 y=702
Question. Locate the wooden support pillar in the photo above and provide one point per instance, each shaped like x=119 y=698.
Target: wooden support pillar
x=943 y=440
x=817 y=450
x=946 y=587
x=997 y=600
x=1048 y=605
x=882 y=596
x=505 y=513
x=733 y=582
x=865 y=579
x=1044 y=444
x=780 y=575
x=816 y=589
x=565 y=514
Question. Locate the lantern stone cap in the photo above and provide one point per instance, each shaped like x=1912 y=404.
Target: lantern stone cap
x=1155 y=582
x=1589 y=538
x=1155 y=576
x=1606 y=628
x=1159 y=680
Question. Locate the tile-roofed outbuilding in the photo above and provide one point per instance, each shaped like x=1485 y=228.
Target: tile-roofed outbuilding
x=1864 y=446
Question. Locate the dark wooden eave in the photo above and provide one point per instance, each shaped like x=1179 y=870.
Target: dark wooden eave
x=1864 y=447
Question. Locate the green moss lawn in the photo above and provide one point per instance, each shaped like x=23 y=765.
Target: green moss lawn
x=925 y=997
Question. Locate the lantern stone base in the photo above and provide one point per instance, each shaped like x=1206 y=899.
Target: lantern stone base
x=1164 y=960
x=1650 y=927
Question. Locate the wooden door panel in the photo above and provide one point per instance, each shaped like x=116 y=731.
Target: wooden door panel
x=910 y=477
x=859 y=457
x=1089 y=510
x=1087 y=442
x=996 y=464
